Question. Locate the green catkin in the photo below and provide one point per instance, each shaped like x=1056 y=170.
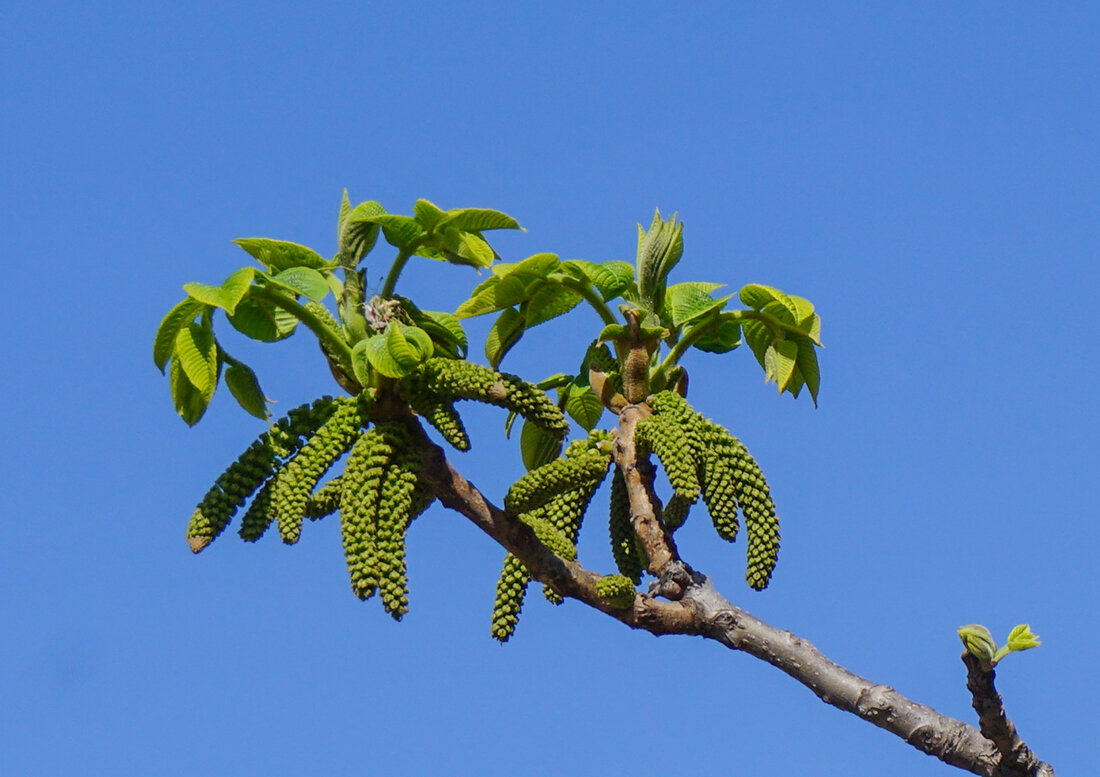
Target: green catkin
x=454 y=379
x=665 y=438
x=731 y=478
x=395 y=512
x=252 y=468
x=442 y=415
x=714 y=452
x=624 y=542
x=362 y=486
x=511 y=590
x=325 y=500
x=616 y=590
x=258 y=516
x=295 y=481
x=540 y=485
x=761 y=523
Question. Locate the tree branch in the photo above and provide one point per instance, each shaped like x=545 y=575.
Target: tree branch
x=702 y=611
x=1016 y=757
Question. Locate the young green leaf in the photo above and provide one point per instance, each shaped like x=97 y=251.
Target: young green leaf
x=262 y=322
x=722 y=337
x=583 y=406
x=189 y=401
x=535 y=266
x=304 y=281
x=444 y=329
x=807 y=366
x=427 y=214
x=757 y=295
x=659 y=250
x=165 y=341
x=281 y=255
x=537 y=446
x=358 y=234
x=468 y=248
x=1021 y=638
x=780 y=361
x=505 y=333
x=245 y=387
x=611 y=279
x=759 y=337
x=549 y=302
x=197 y=355
x=496 y=293
x=478 y=219
x=686 y=302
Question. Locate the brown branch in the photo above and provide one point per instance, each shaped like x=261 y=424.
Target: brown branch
x=701 y=611
x=1017 y=759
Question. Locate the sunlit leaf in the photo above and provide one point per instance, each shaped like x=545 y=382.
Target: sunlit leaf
x=304 y=281
x=687 y=301
x=722 y=337
x=537 y=446
x=245 y=387
x=478 y=219
x=262 y=322
x=427 y=214
x=189 y=401
x=583 y=406
x=549 y=302
x=197 y=355
x=165 y=341
x=808 y=367
x=281 y=255
x=505 y=333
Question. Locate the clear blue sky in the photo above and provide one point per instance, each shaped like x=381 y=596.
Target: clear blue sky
x=926 y=173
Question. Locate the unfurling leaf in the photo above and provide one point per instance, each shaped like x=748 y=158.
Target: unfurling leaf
x=281 y=255
x=979 y=643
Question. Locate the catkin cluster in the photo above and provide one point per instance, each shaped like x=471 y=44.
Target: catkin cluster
x=382 y=494
x=253 y=468
x=438 y=383
x=722 y=470
x=552 y=500
x=627 y=550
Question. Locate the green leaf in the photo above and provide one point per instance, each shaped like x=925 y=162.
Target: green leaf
x=427 y=214
x=505 y=333
x=535 y=266
x=478 y=219
x=467 y=248
x=303 y=280
x=198 y=357
x=1021 y=638
x=235 y=287
x=812 y=328
x=537 y=446
x=189 y=401
x=803 y=308
x=583 y=406
x=780 y=361
x=165 y=341
x=398 y=351
x=807 y=366
x=723 y=337
x=281 y=255
x=611 y=279
x=262 y=322
x=444 y=329
x=399 y=231
x=357 y=233
x=245 y=387
x=688 y=301
x=208 y=295
x=495 y=294
x=419 y=339
x=756 y=295
x=759 y=337
x=781 y=310
x=360 y=365
x=549 y=302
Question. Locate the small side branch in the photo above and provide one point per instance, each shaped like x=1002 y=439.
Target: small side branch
x=1016 y=757
x=702 y=611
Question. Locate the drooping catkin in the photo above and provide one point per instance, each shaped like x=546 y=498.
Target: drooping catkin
x=362 y=487
x=625 y=547
x=294 y=483
x=252 y=468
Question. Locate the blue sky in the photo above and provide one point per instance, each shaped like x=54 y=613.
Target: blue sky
x=926 y=173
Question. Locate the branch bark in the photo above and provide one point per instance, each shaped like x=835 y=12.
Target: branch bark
x=698 y=609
